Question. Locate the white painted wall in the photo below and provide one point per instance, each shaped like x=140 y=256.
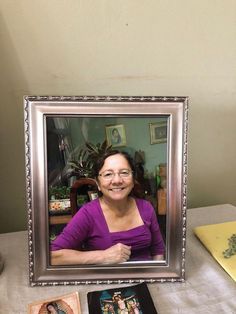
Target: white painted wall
x=122 y=47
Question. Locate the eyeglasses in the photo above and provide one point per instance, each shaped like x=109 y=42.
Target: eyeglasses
x=109 y=175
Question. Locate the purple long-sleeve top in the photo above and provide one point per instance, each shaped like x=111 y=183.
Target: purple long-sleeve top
x=88 y=230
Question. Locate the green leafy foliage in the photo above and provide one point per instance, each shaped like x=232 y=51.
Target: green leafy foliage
x=232 y=247
x=59 y=192
x=83 y=165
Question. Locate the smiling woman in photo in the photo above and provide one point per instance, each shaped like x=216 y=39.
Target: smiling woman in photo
x=116 y=227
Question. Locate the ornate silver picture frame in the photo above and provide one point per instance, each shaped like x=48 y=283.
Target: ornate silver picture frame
x=56 y=130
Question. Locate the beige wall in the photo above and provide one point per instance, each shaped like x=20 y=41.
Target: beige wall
x=114 y=47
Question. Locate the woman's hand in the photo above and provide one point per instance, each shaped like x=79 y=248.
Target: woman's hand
x=117 y=253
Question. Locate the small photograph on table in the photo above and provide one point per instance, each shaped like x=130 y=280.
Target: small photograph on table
x=66 y=304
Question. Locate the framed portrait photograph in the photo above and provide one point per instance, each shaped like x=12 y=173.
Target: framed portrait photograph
x=65 y=304
x=115 y=135
x=158 y=132
x=66 y=138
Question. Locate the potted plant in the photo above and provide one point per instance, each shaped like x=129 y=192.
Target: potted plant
x=82 y=166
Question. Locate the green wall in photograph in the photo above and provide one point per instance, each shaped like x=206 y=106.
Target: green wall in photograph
x=137 y=133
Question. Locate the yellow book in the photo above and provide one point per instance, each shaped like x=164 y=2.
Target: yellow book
x=216 y=240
